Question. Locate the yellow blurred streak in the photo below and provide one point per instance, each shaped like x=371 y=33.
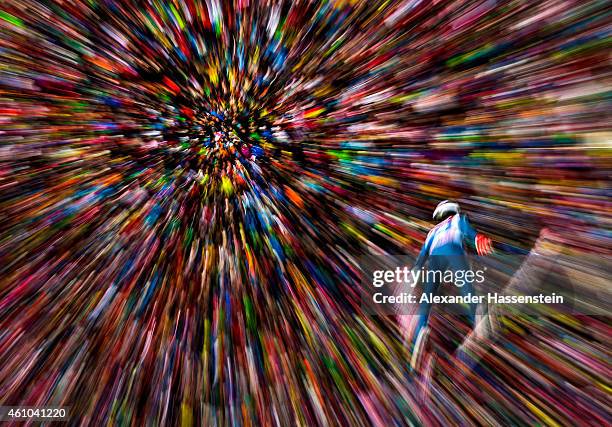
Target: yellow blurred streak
x=186 y=415
x=549 y=421
x=382 y=180
x=314 y=113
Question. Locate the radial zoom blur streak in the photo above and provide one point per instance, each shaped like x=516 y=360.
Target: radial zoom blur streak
x=187 y=187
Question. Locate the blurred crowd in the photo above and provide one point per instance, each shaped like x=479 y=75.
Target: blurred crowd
x=187 y=188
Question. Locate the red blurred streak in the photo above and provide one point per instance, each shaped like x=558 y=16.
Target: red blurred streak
x=171 y=85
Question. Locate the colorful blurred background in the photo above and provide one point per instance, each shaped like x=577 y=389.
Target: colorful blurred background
x=187 y=187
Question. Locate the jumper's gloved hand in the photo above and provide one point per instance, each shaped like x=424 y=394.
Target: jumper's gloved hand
x=484 y=245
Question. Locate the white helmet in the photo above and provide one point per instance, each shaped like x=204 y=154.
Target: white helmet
x=445 y=207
